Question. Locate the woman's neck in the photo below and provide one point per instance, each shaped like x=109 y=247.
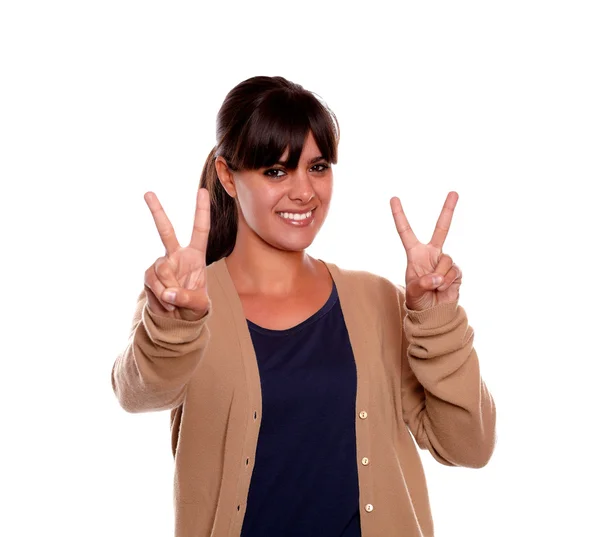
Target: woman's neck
x=270 y=271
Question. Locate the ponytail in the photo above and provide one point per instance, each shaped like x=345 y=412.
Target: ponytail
x=223 y=213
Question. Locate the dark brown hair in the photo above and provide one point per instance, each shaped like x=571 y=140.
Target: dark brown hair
x=259 y=119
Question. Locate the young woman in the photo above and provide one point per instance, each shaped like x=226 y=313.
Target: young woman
x=298 y=389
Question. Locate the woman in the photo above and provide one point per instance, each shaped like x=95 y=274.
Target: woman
x=294 y=385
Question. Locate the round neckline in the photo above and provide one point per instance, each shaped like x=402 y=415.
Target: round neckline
x=326 y=308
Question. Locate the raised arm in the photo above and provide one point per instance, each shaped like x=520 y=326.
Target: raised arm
x=169 y=331
x=445 y=402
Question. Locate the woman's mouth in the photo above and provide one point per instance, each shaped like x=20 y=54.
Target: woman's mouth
x=298 y=219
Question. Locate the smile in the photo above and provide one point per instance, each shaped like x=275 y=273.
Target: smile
x=296 y=216
x=298 y=219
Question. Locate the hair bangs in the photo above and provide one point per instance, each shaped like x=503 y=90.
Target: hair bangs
x=280 y=122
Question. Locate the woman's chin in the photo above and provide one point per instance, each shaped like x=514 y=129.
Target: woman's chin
x=294 y=240
x=292 y=245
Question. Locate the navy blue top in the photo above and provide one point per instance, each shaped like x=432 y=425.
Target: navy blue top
x=305 y=478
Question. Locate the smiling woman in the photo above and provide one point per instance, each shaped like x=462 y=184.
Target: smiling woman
x=298 y=390
x=276 y=142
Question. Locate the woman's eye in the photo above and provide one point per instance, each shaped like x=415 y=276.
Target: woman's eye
x=273 y=172
x=320 y=167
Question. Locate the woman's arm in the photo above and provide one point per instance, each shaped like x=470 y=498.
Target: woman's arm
x=446 y=404
x=153 y=371
x=164 y=348
x=444 y=400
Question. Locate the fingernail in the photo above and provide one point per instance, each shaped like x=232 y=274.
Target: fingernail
x=437 y=280
x=169 y=296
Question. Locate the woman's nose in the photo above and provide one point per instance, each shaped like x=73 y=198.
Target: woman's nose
x=302 y=189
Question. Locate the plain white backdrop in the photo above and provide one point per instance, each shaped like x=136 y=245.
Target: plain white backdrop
x=103 y=101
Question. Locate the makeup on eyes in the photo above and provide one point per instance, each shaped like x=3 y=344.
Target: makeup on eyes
x=325 y=166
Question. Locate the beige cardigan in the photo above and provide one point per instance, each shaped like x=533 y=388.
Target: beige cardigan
x=417 y=372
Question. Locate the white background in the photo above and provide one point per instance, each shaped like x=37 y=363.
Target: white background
x=103 y=101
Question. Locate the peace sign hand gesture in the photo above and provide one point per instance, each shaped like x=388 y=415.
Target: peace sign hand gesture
x=176 y=283
x=431 y=276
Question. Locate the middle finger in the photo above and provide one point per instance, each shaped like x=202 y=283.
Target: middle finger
x=442 y=226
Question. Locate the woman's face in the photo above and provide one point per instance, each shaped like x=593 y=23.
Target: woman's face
x=285 y=208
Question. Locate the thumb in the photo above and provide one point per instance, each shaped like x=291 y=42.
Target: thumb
x=420 y=286
x=433 y=281
x=196 y=301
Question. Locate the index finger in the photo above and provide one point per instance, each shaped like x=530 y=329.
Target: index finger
x=443 y=224
x=163 y=224
x=199 y=239
x=407 y=235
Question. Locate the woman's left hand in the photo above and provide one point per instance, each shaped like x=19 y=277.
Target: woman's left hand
x=426 y=262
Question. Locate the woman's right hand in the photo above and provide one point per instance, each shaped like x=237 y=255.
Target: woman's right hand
x=175 y=284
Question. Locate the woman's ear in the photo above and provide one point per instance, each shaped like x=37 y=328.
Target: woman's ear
x=225 y=175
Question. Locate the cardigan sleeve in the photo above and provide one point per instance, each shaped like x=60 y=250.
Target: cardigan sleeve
x=445 y=402
x=161 y=355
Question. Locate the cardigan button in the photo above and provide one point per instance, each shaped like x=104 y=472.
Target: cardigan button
x=365 y=461
x=363 y=415
x=368 y=508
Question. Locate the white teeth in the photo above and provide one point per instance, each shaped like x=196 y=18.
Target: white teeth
x=291 y=216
